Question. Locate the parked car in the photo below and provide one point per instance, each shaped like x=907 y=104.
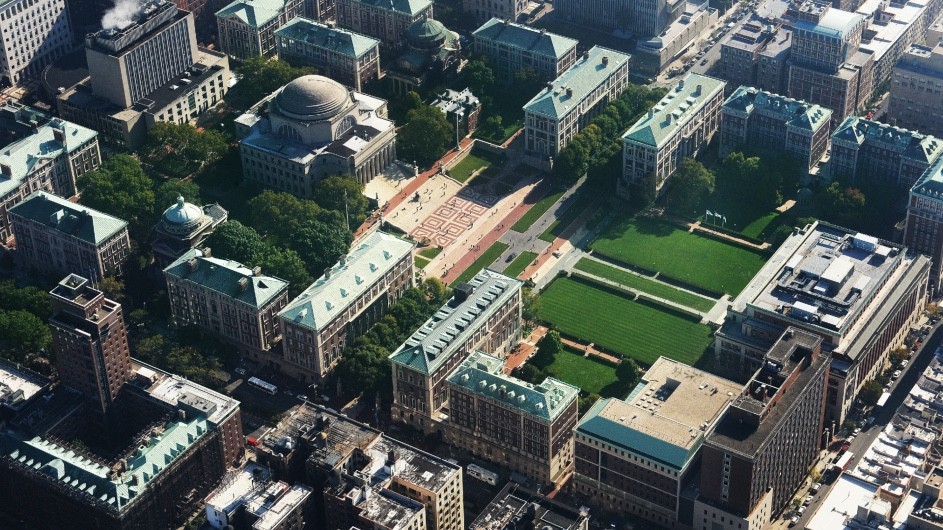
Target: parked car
x=868 y=421
x=896 y=374
x=302 y=397
x=816 y=487
x=241 y=371
x=793 y=521
x=857 y=431
x=808 y=501
x=801 y=510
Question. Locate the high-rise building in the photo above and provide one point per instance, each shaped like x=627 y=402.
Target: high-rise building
x=60 y=237
x=91 y=342
x=916 y=101
x=343 y=303
x=483 y=314
x=677 y=127
x=859 y=293
x=482 y=10
x=382 y=19
x=924 y=228
x=641 y=454
x=755 y=119
x=344 y=56
x=755 y=55
x=559 y=112
x=512 y=47
x=34 y=34
x=644 y=18
x=40 y=153
x=524 y=427
x=760 y=450
x=893 y=27
x=867 y=150
x=247 y=27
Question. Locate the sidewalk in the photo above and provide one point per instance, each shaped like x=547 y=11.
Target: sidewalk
x=589 y=350
x=533 y=271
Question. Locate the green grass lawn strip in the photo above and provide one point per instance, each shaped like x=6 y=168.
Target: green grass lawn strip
x=520 y=263
x=639 y=283
x=587 y=373
x=569 y=215
x=483 y=261
x=693 y=259
x=760 y=226
x=535 y=212
x=631 y=328
x=421 y=262
x=464 y=169
x=430 y=252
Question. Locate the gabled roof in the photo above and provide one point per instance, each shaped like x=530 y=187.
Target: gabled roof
x=254 y=13
x=930 y=184
x=409 y=7
x=669 y=114
x=70 y=218
x=338 y=40
x=227 y=277
x=578 y=82
x=369 y=260
x=525 y=38
x=795 y=112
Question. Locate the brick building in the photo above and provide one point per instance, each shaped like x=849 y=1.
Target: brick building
x=866 y=150
x=347 y=57
x=511 y=47
x=916 y=100
x=384 y=20
x=923 y=231
x=247 y=27
x=755 y=55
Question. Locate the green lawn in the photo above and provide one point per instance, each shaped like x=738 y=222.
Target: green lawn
x=635 y=329
x=430 y=252
x=535 y=212
x=483 y=261
x=464 y=169
x=699 y=261
x=588 y=373
x=520 y=263
x=421 y=262
x=764 y=226
x=644 y=284
x=577 y=207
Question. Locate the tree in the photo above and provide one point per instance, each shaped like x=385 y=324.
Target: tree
x=898 y=355
x=871 y=392
x=343 y=193
x=260 y=76
x=287 y=265
x=320 y=244
x=547 y=348
x=121 y=188
x=29 y=298
x=841 y=205
x=479 y=76
x=236 y=241
x=436 y=292
x=113 y=288
x=165 y=195
x=530 y=305
x=530 y=373
x=184 y=143
x=22 y=332
x=365 y=369
x=644 y=192
x=585 y=403
x=425 y=137
x=628 y=372
x=690 y=184
x=277 y=214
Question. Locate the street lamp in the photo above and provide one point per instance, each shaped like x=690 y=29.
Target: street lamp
x=458 y=144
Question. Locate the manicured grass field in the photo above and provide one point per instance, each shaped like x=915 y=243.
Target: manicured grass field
x=421 y=262
x=430 y=252
x=520 y=263
x=464 y=169
x=695 y=260
x=588 y=373
x=643 y=284
x=483 y=261
x=634 y=329
x=764 y=226
x=535 y=212
x=569 y=215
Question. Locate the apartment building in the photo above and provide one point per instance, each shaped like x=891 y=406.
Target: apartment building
x=483 y=314
x=639 y=455
x=344 y=56
x=343 y=303
x=869 y=150
x=892 y=28
x=511 y=47
x=383 y=20
x=227 y=299
x=859 y=293
x=143 y=73
x=515 y=504
x=33 y=34
x=482 y=10
x=60 y=237
x=654 y=55
x=40 y=153
x=755 y=55
x=643 y=18
x=560 y=111
x=923 y=231
x=756 y=119
x=248 y=499
x=916 y=100
x=677 y=127
x=354 y=464
x=517 y=425
x=247 y=27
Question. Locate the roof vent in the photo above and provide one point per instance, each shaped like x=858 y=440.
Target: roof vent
x=569 y=92
x=243 y=284
x=257 y=271
x=193 y=264
x=605 y=60
x=327 y=273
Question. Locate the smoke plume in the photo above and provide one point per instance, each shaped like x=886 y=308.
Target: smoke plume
x=122 y=15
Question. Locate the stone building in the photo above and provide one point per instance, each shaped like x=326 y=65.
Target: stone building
x=182 y=227
x=386 y=20
x=346 y=57
x=511 y=47
x=867 y=150
x=916 y=100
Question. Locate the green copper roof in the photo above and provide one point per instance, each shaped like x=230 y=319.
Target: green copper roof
x=911 y=144
x=452 y=325
x=342 y=41
x=525 y=38
x=226 y=277
x=24 y=155
x=682 y=101
x=794 y=112
x=568 y=90
x=930 y=184
x=68 y=217
x=368 y=262
x=483 y=374
x=254 y=13
x=409 y=7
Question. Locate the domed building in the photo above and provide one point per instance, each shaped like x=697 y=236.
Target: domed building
x=312 y=128
x=184 y=226
x=432 y=50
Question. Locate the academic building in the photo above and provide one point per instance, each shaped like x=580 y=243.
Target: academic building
x=182 y=227
x=755 y=55
x=677 y=127
x=860 y=294
x=866 y=150
x=384 y=20
x=247 y=27
x=515 y=424
x=343 y=303
x=483 y=314
x=643 y=18
x=34 y=34
x=916 y=100
x=512 y=47
x=923 y=232
x=344 y=56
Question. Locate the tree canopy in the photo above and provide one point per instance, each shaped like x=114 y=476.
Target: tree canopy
x=21 y=332
x=236 y=241
x=425 y=137
x=165 y=195
x=183 y=144
x=689 y=185
x=321 y=244
x=276 y=214
x=842 y=205
x=338 y=192
x=260 y=76
x=121 y=188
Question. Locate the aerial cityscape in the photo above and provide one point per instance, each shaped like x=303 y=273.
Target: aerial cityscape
x=471 y=264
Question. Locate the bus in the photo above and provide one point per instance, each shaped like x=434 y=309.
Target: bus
x=842 y=464
x=483 y=474
x=262 y=385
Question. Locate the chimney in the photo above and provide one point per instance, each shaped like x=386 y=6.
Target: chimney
x=193 y=264
x=651 y=113
x=343 y=260
x=569 y=92
x=605 y=60
x=6 y=170
x=257 y=271
x=697 y=90
x=58 y=134
x=668 y=119
x=243 y=284
x=207 y=252
x=327 y=273
x=586 y=56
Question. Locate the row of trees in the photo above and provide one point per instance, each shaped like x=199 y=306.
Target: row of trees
x=23 y=329
x=180 y=150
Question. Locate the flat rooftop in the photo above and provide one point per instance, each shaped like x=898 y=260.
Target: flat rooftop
x=236 y=485
x=272 y=504
x=18 y=386
x=881 y=35
x=513 y=501
x=177 y=391
x=835 y=23
x=670 y=115
x=822 y=276
x=385 y=508
x=666 y=415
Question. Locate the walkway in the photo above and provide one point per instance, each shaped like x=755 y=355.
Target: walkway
x=637 y=293
x=697 y=226
x=525 y=349
x=590 y=350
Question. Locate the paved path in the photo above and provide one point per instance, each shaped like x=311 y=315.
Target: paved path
x=637 y=293
x=525 y=349
x=588 y=350
x=562 y=253
x=697 y=226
